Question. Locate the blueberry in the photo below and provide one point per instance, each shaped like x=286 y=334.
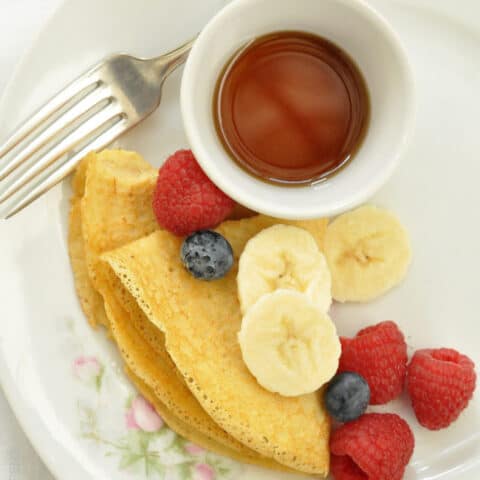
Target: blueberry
x=347 y=396
x=207 y=255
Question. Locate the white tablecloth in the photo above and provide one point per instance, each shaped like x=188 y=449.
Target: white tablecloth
x=19 y=22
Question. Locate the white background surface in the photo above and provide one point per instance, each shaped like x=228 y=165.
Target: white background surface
x=19 y=22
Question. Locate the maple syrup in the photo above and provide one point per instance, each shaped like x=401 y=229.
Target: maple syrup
x=291 y=108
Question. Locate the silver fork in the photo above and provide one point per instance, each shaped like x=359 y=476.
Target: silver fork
x=87 y=115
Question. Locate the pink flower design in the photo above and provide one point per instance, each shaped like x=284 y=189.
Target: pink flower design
x=202 y=471
x=87 y=368
x=193 y=449
x=130 y=420
x=142 y=415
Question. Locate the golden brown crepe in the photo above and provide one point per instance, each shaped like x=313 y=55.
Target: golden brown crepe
x=90 y=300
x=186 y=431
x=200 y=321
x=115 y=207
x=150 y=362
x=112 y=193
x=111 y=206
x=227 y=413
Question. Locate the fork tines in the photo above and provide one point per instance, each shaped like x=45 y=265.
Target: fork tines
x=85 y=116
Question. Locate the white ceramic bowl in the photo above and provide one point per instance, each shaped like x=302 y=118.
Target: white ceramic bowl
x=370 y=41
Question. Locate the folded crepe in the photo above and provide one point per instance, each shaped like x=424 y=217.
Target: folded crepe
x=213 y=401
x=142 y=347
x=200 y=321
x=111 y=206
x=90 y=300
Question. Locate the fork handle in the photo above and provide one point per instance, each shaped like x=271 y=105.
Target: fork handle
x=167 y=63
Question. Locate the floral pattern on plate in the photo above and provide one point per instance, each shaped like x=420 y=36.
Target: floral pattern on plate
x=144 y=445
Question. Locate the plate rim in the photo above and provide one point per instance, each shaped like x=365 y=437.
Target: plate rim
x=57 y=456
x=45 y=451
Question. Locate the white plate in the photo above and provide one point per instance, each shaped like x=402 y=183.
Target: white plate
x=74 y=413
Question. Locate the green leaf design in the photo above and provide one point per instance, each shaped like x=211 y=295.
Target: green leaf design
x=99 y=379
x=144 y=440
x=132 y=441
x=176 y=448
x=157 y=467
x=88 y=421
x=129 y=400
x=129 y=459
x=180 y=442
x=147 y=466
x=223 y=470
x=185 y=471
x=144 y=452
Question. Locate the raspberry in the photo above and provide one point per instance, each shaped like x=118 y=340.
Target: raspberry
x=378 y=354
x=440 y=382
x=185 y=199
x=377 y=446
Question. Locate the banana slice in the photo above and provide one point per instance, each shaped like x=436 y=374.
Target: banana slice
x=368 y=252
x=283 y=257
x=289 y=345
